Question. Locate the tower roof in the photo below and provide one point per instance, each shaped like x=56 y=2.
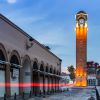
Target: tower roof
x=81 y=12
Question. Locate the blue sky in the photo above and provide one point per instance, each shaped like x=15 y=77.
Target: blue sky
x=52 y=23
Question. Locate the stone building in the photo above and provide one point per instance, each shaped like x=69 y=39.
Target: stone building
x=65 y=78
x=23 y=60
x=93 y=73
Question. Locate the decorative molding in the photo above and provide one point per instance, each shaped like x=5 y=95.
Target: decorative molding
x=28 y=45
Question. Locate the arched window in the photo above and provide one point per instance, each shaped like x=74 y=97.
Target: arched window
x=41 y=67
x=50 y=70
x=14 y=60
x=47 y=69
x=2 y=56
x=54 y=71
x=35 y=65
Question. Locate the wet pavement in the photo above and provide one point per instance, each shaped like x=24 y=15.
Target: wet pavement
x=73 y=94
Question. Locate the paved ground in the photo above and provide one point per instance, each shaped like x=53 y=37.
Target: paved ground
x=74 y=94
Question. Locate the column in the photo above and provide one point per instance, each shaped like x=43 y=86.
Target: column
x=44 y=84
x=58 y=84
x=38 y=81
x=55 y=84
x=35 y=77
x=21 y=81
x=48 y=84
x=31 y=75
x=7 y=79
x=52 y=84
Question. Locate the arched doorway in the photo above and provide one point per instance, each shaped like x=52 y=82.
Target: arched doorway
x=42 y=80
x=27 y=74
x=2 y=73
x=14 y=72
x=35 y=77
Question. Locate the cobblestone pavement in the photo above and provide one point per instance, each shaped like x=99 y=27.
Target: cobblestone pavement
x=74 y=94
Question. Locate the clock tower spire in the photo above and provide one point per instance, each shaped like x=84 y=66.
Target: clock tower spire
x=81 y=48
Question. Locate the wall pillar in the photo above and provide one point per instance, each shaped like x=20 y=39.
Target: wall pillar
x=7 y=80
x=52 y=83
x=44 y=84
x=55 y=84
x=48 y=84
x=21 y=81
x=38 y=81
x=31 y=75
x=59 y=84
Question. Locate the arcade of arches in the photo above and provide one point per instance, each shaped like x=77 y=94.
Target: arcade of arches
x=26 y=66
x=14 y=72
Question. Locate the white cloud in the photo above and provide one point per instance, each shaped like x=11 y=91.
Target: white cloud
x=11 y=1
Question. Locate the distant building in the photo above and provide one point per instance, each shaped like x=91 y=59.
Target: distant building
x=65 y=78
x=93 y=73
x=64 y=81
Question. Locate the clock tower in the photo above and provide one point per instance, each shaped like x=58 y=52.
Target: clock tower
x=81 y=48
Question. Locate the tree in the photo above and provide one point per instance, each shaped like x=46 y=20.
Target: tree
x=71 y=70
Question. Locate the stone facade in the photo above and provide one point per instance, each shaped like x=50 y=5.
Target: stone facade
x=93 y=73
x=25 y=60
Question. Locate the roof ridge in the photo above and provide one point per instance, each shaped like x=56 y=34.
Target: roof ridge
x=25 y=33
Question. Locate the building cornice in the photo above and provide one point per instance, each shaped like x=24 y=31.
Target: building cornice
x=26 y=34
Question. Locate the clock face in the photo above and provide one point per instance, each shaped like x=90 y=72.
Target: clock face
x=81 y=21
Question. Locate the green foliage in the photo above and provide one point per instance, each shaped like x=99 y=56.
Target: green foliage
x=71 y=70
